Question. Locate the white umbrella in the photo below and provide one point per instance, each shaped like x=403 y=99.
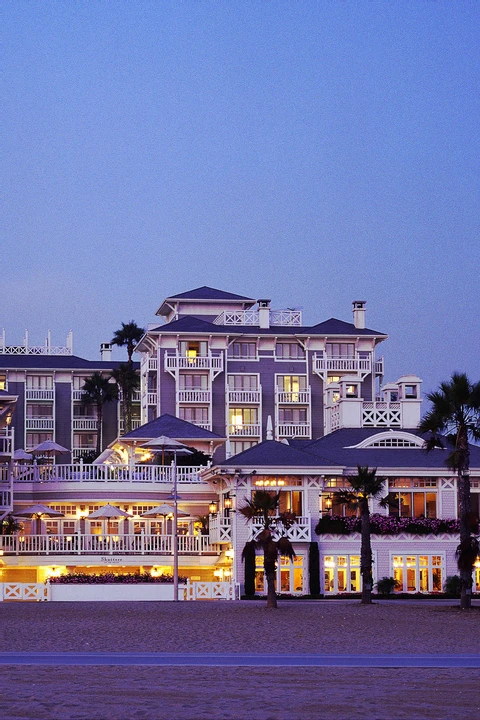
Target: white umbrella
x=37 y=512
x=49 y=447
x=163 y=510
x=108 y=511
x=166 y=444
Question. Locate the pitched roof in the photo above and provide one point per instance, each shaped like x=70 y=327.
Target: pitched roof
x=274 y=453
x=208 y=293
x=57 y=362
x=333 y=326
x=172 y=427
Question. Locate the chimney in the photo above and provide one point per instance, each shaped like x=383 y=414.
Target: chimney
x=106 y=351
x=359 y=314
x=263 y=313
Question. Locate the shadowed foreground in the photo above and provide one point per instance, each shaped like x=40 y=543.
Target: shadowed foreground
x=124 y=693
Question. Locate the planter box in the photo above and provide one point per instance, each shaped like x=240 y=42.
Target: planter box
x=114 y=592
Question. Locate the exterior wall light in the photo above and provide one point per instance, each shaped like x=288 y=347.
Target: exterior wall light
x=213 y=507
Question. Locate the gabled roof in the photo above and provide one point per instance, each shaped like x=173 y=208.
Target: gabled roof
x=172 y=427
x=57 y=362
x=272 y=453
x=209 y=293
x=333 y=326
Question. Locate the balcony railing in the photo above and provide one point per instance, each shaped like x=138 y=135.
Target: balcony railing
x=290 y=430
x=194 y=396
x=298 y=397
x=152 y=363
x=136 y=395
x=244 y=396
x=381 y=414
x=39 y=424
x=356 y=364
x=105 y=545
x=251 y=317
x=31 y=394
x=220 y=529
x=152 y=398
x=6 y=440
x=78 y=394
x=200 y=362
x=244 y=430
x=85 y=423
x=84 y=472
x=300 y=531
x=135 y=424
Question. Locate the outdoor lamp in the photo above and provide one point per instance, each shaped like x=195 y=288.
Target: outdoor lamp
x=227 y=503
x=328 y=502
x=212 y=508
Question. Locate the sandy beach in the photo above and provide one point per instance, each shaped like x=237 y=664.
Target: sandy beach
x=151 y=693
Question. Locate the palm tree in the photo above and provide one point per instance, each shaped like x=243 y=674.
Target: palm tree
x=453 y=420
x=365 y=485
x=128 y=381
x=128 y=336
x=98 y=390
x=264 y=505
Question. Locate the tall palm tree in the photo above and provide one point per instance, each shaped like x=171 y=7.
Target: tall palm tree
x=128 y=336
x=365 y=485
x=453 y=420
x=98 y=390
x=128 y=380
x=263 y=506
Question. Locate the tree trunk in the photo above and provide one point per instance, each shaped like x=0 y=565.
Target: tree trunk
x=270 y=555
x=99 y=429
x=366 y=554
x=464 y=508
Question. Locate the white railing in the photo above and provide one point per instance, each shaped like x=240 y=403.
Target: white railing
x=333 y=418
x=24 y=591
x=136 y=395
x=194 y=396
x=381 y=414
x=237 y=317
x=201 y=362
x=244 y=396
x=5 y=500
x=219 y=529
x=212 y=591
x=6 y=440
x=289 y=430
x=80 y=452
x=39 y=423
x=105 y=545
x=295 y=397
x=78 y=394
x=244 y=430
x=152 y=398
x=378 y=365
x=85 y=423
x=300 y=531
x=84 y=472
x=135 y=424
x=251 y=317
x=31 y=394
x=339 y=364
x=152 y=363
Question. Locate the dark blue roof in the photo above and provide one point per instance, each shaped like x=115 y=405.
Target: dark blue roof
x=334 y=450
x=172 y=427
x=208 y=293
x=57 y=362
x=272 y=453
x=192 y=324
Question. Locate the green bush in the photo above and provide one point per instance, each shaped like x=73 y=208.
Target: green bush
x=386 y=586
x=452 y=585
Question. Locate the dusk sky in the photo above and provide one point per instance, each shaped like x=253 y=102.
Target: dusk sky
x=310 y=152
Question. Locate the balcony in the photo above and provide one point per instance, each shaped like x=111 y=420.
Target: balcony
x=194 y=396
x=6 y=440
x=135 y=424
x=297 y=397
x=357 y=364
x=85 y=423
x=152 y=363
x=300 y=531
x=136 y=395
x=290 y=430
x=31 y=394
x=77 y=395
x=220 y=529
x=252 y=397
x=81 y=473
x=285 y=318
x=200 y=362
x=244 y=430
x=39 y=424
x=105 y=545
x=151 y=398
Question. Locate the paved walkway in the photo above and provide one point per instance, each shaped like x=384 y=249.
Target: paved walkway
x=240 y=660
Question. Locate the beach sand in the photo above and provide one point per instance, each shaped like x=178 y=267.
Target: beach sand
x=158 y=693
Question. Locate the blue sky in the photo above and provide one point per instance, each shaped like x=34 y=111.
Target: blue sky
x=310 y=152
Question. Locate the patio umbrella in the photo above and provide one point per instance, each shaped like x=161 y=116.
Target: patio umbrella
x=50 y=448
x=37 y=512
x=166 y=444
x=20 y=455
x=163 y=510
x=108 y=512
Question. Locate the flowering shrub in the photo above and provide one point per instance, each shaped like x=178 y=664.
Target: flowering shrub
x=385 y=525
x=111 y=579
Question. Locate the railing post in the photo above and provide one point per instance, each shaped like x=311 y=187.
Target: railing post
x=79 y=542
x=143 y=541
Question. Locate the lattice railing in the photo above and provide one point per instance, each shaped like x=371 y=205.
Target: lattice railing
x=381 y=414
x=33 y=592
